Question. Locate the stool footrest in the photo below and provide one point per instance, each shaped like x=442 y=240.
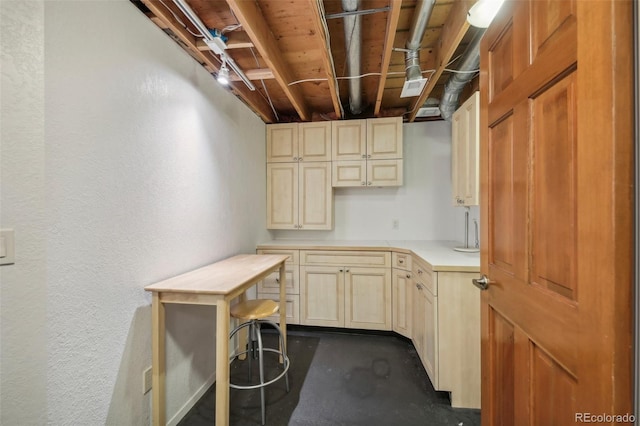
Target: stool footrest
x=260 y=385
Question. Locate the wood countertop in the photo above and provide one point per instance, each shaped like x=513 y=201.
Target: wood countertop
x=438 y=254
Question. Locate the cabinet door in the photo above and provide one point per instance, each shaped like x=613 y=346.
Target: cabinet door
x=316 y=196
x=368 y=298
x=465 y=136
x=282 y=143
x=314 y=141
x=282 y=195
x=384 y=138
x=418 y=322
x=322 y=296
x=430 y=357
x=349 y=140
x=384 y=172
x=401 y=296
x=349 y=173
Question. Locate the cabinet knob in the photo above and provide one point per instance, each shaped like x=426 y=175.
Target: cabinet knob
x=295 y=158
x=400 y=261
x=418 y=286
x=346 y=270
x=363 y=183
x=364 y=156
x=369 y=156
x=419 y=271
x=368 y=183
x=408 y=276
x=299 y=158
x=340 y=270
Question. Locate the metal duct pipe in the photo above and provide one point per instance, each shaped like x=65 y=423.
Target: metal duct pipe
x=470 y=62
x=416 y=33
x=353 y=44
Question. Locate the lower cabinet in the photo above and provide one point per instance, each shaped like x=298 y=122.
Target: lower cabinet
x=446 y=332
x=269 y=288
x=345 y=296
x=402 y=296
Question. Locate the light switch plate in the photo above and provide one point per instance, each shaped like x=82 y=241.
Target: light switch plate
x=8 y=249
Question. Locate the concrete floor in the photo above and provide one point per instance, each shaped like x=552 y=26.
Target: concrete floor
x=340 y=378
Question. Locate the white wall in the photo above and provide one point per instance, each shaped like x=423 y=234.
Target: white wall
x=122 y=163
x=422 y=205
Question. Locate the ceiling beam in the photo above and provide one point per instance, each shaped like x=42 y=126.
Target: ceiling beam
x=325 y=49
x=392 y=25
x=252 y=98
x=250 y=17
x=453 y=31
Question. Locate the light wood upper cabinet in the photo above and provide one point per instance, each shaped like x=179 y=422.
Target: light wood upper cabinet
x=299 y=196
x=293 y=142
x=367 y=152
x=282 y=143
x=465 y=167
x=314 y=141
x=384 y=138
x=349 y=140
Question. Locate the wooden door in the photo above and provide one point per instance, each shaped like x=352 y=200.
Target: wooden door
x=282 y=195
x=556 y=212
x=368 y=298
x=316 y=196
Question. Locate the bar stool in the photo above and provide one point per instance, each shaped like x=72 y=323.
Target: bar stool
x=254 y=312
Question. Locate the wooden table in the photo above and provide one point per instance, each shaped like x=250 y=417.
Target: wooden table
x=216 y=284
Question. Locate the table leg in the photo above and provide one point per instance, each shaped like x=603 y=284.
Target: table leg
x=222 y=363
x=158 y=363
x=242 y=334
x=283 y=305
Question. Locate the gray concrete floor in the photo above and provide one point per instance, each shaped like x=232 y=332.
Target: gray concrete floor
x=339 y=378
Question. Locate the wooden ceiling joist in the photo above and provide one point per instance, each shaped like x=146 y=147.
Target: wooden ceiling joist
x=252 y=98
x=250 y=17
x=392 y=25
x=326 y=54
x=453 y=31
x=256 y=74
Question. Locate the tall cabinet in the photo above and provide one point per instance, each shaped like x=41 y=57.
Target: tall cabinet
x=299 y=192
x=465 y=160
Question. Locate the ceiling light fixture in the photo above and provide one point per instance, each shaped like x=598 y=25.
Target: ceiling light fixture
x=211 y=42
x=482 y=13
x=223 y=74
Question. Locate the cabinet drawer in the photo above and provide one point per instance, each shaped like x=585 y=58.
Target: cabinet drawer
x=293 y=307
x=293 y=259
x=422 y=274
x=345 y=258
x=401 y=261
x=271 y=284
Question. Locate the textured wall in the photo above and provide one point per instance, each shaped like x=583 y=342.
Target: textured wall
x=422 y=205
x=123 y=163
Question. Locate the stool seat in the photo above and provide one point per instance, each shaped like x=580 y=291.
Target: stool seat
x=254 y=309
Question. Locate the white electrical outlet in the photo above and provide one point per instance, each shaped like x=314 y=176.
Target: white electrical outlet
x=395 y=224
x=147 y=379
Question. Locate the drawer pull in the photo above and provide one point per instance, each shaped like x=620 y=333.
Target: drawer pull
x=400 y=261
x=408 y=275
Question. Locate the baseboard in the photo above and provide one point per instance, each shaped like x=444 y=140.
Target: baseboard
x=192 y=401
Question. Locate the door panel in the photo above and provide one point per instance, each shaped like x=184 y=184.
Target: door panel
x=316 y=196
x=368 y=298
x=322 y=296
x=556 y=208
x=282 y=195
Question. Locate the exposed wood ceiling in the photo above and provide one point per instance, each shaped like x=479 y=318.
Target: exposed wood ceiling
x=298 y=68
